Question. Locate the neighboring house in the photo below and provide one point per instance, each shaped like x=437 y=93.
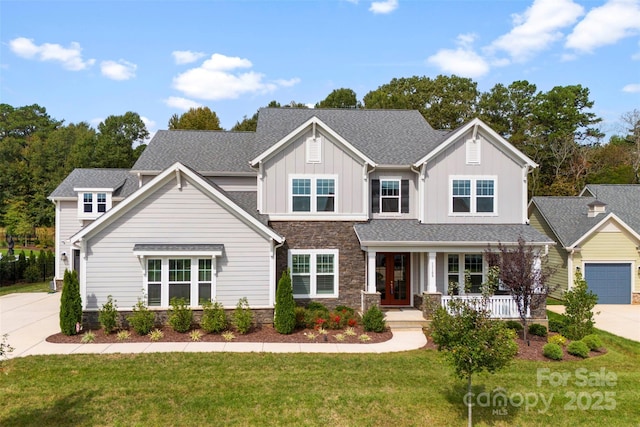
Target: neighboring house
x=598 y=233
x=364 y=206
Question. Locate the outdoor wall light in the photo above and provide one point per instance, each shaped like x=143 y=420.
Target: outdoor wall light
x=63 y=256
x=578 y=269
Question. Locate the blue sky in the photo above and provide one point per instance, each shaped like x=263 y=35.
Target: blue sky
x=86 y=60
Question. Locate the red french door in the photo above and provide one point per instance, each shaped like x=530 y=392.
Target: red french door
x=392 y=278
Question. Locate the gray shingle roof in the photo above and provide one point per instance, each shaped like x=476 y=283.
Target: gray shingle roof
x=121 y=180
x=568 y=216
x=389 y=137
x=405 y=231
x=203 y=151
x=248 y=200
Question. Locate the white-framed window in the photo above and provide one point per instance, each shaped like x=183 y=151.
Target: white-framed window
x=313 y=194
x=314 y=273
x=389 y=195
x=191 y=278
x=458 y=265
x=473 y=195
x=92 y=204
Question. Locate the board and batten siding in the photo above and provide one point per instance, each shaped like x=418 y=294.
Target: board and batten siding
x=180 y=216
x=413 y=192
x=291 y=160
x=557 y=257
x=611 y=244
x=510 y=200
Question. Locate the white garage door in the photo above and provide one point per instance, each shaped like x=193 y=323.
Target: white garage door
x=611 y=282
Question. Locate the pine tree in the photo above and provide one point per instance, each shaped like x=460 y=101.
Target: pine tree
x=285 y=314
x=70 y=304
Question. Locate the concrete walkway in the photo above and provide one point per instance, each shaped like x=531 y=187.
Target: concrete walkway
x=29 y=318
x=618 y=319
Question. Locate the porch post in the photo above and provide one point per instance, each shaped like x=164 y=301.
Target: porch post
x=431 y=279
x=422 y=268
x=371 y=272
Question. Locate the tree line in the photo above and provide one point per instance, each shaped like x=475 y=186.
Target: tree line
x=557 y=129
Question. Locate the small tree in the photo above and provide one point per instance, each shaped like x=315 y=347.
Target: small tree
x=285 y=310
x=471 y=340
x=524 y=274
x=70 y=304
x=578 y=309
x=108 y=316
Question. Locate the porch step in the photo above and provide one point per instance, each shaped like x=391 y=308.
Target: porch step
x=404 y=318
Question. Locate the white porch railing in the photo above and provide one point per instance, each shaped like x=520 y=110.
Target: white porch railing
x=500 y=306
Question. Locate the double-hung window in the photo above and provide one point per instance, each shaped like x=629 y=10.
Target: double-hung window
x=313 y=194
x=314 y=273
x=390 y=196
x=92 y=203
x=462 y=267
x=473 y=195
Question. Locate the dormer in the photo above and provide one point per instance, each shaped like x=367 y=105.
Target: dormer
x=93 y=202
x=596 y=208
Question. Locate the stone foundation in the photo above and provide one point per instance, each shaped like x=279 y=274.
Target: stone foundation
x=430 y=303
x=338 y=235
x=635 y=298
x=369 y=300
x=262 y=316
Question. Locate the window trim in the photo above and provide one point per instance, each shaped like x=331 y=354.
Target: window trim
x=473 y=205
x=313 y=271
x=462 y=267
x=398 y=197
x=404 y=196
x=94 y=203
x=313 y=208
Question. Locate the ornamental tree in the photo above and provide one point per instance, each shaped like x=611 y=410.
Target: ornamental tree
x=70 y=304
x=285 y=315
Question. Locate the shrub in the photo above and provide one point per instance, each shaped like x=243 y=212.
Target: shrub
x=228 y=336
x=578 y=348
x=5 y=348
x=32 y=273
x=313 y=305
x=593 y=341
x=579 y=303
x=142 y=320
x=123 y=335
x=552 y=351
x=70 y=304
x=300 y=313
x=373 y=319
x=538 y=329
x=243 y=316
x=180 y=315
x=88 y=337
x=316 y=318
x=214 y=319
x=285 y=316
x=108 y=316
x=557 y=339
x=556 y=325
x=156 y=335
x=344 y=310
x=196 y=335
x=514 y=324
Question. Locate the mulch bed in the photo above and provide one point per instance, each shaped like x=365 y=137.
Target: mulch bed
x=264 y=333
x=531 y=351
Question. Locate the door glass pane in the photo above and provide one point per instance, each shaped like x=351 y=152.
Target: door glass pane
x=399 y=277
x=381 y=275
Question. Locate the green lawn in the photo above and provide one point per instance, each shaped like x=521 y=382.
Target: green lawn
x=411 y=388
x=25 y=287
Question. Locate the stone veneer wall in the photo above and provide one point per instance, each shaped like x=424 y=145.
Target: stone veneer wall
x=262 y=316
x=635 y=299
x=327 y=235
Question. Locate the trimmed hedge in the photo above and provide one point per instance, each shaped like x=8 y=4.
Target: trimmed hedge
x=578 y=348
x=552 y=351
x=538 y=329
x=593 y=341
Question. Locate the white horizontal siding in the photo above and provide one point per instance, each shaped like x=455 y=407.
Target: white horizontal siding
x=172 y=215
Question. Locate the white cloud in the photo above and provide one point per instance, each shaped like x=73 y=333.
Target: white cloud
x=217 y=78
x=463 y=61
x=70 y=57
x=181 y=103
x=632 y=88
x=186 y=56
x=383 y=7
x=120 y=70
x=150 y=124
x=287 y=83
x=537 y=28
x=605 y=25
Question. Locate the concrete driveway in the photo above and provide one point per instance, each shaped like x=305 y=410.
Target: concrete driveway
x=618 y=319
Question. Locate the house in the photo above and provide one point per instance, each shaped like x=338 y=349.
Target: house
x=598 y=234
x=364 y=206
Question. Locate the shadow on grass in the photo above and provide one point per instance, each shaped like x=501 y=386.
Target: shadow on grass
x=72 y=409
x=489 y=406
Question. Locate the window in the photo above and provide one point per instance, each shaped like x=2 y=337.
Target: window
x=313 y=194
x=314 y=273
x=458 y=266
x=92 y=204
x=473 y=195
x=390 y=195
x=180 y=279
x=189 y=278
